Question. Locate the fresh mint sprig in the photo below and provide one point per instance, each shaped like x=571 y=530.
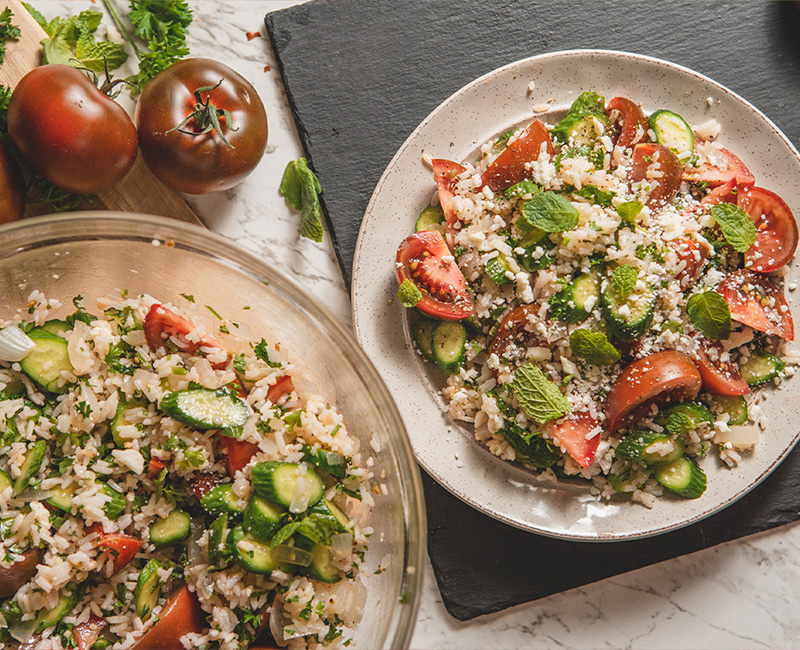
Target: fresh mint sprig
x=539 y=397
x=593 y=347
x=550 y=212
x=736 y=225
x=710 y=314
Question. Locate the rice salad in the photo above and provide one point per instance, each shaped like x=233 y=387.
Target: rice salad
x=162 y=489
x=605 y=295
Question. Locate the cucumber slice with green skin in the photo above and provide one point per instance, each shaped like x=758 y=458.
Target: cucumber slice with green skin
x=221 y=499
x=30 y=466
x=219 y=548
x=45 y=363
x=761 y=367
x=276 y=482
x=683 y=477
x=206 y=409
x=147 y=590
x=580 y=130
x=449 y=345
x=672 y=131
x=422 y=331
x=323 y=521
x=57 y=327
x=51 y=617
x=62 y=497
x=623 y=483
x=431 y=218
x=262 y=519
x=5 y=481
x=574 y=304
x=631 y=317
x=121 y=419
x=639 y=446
x=252 y=555
x=173 y=528
x=735 y=407
x=697 y=414
x=496 y=268
x=321 y=567
x=114 y=508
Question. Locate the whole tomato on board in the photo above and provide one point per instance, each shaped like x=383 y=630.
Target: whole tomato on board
x=12 y=187
x=202 y=126
x=69 y=131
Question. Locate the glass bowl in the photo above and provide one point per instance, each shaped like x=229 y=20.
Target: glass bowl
x=91 y=253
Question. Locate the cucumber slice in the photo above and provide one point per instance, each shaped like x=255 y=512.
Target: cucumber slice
x=114 y=508
x=221 y=499
x=5 y=481
x=30 y=466
x=171 y=529
x=51 y=617
x=321 y=567
x=623 y=483
x=431 y=218
x=683 y=477
x=262 y=519
x=121 y=419
x=422 y=331
x=323 y=521
x=761 y=367
x=218 y=543
x=579 y=130
x=205 y=409
x=147 y=590
x=672 y=131
x=47 y=360
x=277 y=482
x=62 y=497
x=735 y=407
x=57 y=327
x=496 y=268
x=449 y=345
x=631 y=317
x=574 y=304
x=253 y=555
x=640 y=446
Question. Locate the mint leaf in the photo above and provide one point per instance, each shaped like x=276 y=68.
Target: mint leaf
x=679 y=423
x=595 y=195
x=710 y=314
x=593 y=347
x=285 y=533
x=737 y=226
x=624 y=280
x=629 y=210
x=409 y=294
x=550 y=212
x=539 y=397
x=95 y=55
x=301 y=188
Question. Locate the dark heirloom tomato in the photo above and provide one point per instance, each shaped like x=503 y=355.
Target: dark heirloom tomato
x=735 y=170
x=192 y=159
x=693 y=256
x=509 y=167
x=445 y=172
x=661 y=376
x=180 y=616
x=12 y=188
x=776 y=229
x=632 y=122
x=70 y=132
x=423 y=258
x=13 y=577
x=719 y=377
x=667 y=169
x=86 y=634
x=511 y=329
x=572 y=435
x=756 y=301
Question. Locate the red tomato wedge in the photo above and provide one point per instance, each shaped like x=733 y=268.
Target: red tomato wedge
x=665 y=170
x=719 y=377
x=155 y=467
x=724 y=193
x=424 y=258
x=754 y=300
x=445 y=173
x=777 y=236
x=734 y=169
x=509 y=167
x=85 y=634
x=661 y=376
x=692 y=255
x=282 y=387
x=161 y=324
x=511 y=328
x=573 y=435
x=204 y=482
x=122 y=547
x=181 y=615
x=632 y=122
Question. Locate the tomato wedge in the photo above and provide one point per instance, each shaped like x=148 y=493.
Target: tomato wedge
x=85 y=634
x=511 y=328
x=204 y=482
x=664 y=167
x=445 y=173
x=734 y=169
x=725 y=193
x=632 y=122
x=572 y=434
x=777 y=236
x=155 y=467
x=18 y=574
x=180 y=616
x=122 y=547
x=509 y=167
x=754 y=300
x=423 y=258
x=719 y=377
x=161 y=324
x=661 y=376
x=693 y=257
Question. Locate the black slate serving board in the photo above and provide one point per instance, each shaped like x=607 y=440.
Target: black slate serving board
x=361 y=75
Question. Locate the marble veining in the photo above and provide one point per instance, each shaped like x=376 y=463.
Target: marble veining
x=741 y=594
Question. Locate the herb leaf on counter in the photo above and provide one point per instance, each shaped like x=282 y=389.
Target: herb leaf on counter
x=301 y=188
x=8 y=31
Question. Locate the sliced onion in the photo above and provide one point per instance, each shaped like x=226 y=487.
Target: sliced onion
x=292 y=555
x=22 y=630
x=15 y=344
x=275 y=627
x=194 y=551
x=739 y=436
x=332 y=458
x=32 y=494
x=301 y=495
x=342 y=543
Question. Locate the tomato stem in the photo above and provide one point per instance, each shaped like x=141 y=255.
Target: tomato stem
x=206 y=116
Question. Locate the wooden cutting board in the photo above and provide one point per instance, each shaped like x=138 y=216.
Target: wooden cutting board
x=139 y=191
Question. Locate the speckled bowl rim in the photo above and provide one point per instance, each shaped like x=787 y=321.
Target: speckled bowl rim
x=446 y=449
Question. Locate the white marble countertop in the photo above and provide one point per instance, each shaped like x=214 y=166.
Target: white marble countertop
x=742 y=594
